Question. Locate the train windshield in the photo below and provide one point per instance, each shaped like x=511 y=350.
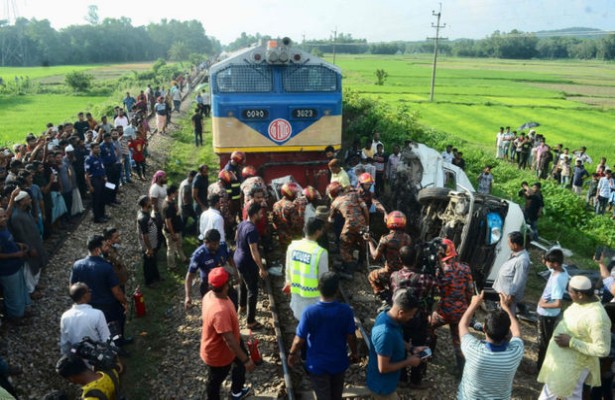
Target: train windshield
x=309 y=78
x=245 y=79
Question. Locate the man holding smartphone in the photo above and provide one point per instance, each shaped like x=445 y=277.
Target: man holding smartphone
x=490 y=364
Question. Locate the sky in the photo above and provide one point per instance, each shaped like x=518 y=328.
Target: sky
x=374 y=20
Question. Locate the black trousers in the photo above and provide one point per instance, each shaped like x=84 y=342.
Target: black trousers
x=98 y=200
x=217 y=375
x=114 y=171
x=546 y=325
x=150 y=269
x=416 y=329
x=248 y=291
x=328 y=386
x=114 y=314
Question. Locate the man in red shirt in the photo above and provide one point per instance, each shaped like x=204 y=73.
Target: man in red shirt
x=221 y=345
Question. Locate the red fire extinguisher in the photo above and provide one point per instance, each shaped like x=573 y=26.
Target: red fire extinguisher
x=255 y=355
x=137 y=297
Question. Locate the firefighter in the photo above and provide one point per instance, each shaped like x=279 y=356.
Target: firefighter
x=222 y=188
x=456 y=290
x=366 y=183
x=356 y=217
x=284 y=213
x=388 y=246
x=311 y=198
x=250 y=180
x=234 y=166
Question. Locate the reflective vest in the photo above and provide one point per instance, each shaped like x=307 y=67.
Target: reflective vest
x=304 y=259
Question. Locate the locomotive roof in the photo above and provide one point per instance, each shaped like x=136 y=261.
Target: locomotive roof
x=243 y=57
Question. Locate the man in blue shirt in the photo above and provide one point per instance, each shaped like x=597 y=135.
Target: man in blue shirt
x=95 y=178
x=209 y=255
x=100 y=277
x=388 y=352
x=326 y=327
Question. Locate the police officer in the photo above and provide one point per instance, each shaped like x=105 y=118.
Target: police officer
x=95 y=179
x=388 y=246
x=112 y=168
x=306 y=261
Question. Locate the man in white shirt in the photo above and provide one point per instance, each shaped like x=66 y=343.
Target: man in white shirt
x=121 y=120
x=603 y=193
x=212 y=218
x=448 y=155
x=81 y=320
x=376 y=141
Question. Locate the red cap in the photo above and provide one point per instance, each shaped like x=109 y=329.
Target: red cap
x=217 y=277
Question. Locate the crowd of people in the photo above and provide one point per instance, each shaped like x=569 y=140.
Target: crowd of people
x=568 y=168
x=242 y=223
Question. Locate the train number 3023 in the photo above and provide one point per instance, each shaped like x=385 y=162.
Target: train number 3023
x=304 y=113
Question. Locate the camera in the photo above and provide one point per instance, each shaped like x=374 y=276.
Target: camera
x=429 y=256
x=101 y=355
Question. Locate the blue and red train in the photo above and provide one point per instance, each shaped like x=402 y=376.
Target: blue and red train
x=281 y=106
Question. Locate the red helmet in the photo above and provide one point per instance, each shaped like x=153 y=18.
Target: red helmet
x=238 y=156
x=225 y=176
x=366 y=178
x=248 y=171
x=449 y=249
x=289 y=190
x=311 y=194
x=396 y=220
x=334 y=189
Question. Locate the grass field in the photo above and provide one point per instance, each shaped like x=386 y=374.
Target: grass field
x=572 y=100
x=20 y=115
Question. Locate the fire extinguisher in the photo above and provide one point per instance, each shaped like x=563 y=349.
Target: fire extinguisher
x=255 y=355
x=139 y=302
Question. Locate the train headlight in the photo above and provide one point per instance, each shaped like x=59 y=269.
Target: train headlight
x=284 y=56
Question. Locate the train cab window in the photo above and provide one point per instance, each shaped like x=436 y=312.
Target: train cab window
x=309 y=78
x=244 y=79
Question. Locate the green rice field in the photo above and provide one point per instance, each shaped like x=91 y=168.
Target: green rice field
x=572 y=100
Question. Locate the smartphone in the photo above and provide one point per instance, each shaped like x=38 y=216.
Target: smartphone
x=425 y=353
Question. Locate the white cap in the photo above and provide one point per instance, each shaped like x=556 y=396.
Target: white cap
x=580 y=282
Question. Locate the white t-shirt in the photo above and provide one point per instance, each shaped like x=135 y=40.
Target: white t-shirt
x=121 y=121
x=211 y=219
x=80 y=321
x=159 y=193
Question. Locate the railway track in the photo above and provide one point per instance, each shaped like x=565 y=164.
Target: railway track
x=357 y=294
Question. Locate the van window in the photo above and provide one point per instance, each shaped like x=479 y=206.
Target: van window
x=450 y=180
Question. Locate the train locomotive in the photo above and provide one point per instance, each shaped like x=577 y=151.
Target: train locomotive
x=279 y=105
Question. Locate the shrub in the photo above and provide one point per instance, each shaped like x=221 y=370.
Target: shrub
x=79 y=81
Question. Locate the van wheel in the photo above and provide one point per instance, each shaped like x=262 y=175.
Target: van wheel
x=431 y=194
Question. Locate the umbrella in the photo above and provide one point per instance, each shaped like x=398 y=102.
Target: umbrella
x=528 y=125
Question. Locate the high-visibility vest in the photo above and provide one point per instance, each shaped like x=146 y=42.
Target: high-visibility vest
x=304 y=259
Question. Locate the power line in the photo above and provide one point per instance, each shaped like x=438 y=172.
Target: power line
x=435 y=48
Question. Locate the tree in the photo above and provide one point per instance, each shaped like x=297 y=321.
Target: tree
x=179 y=51
x=92 y=17
x=606 y=48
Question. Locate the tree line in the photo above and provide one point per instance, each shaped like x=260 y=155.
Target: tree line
x=32 y=42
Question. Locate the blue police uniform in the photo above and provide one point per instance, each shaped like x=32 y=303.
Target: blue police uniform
x=113 y=169
x=204 y=261
x=96 y=170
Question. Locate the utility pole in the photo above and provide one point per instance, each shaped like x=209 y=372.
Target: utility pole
x=435 y=49
x=334 y=40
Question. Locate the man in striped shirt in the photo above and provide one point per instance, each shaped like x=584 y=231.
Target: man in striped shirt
x=490 y=364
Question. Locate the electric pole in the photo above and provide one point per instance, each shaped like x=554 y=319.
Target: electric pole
x=334 y=40
x=435 y=49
